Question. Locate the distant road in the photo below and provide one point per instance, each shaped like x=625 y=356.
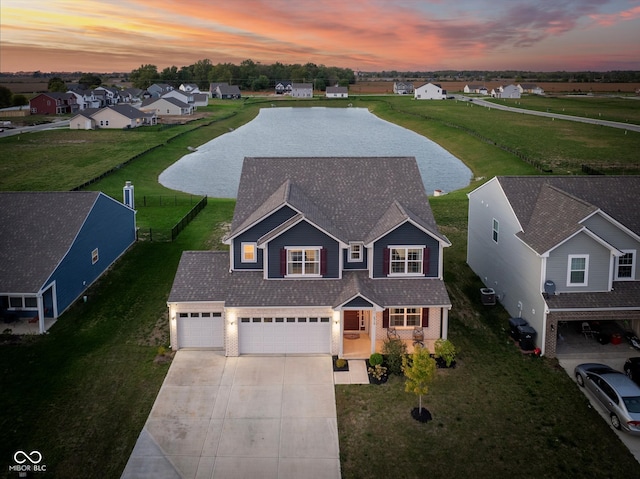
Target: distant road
x=28 y=129
x=593 y=121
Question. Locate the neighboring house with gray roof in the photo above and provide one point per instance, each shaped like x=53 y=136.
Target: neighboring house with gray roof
x=113 y=116
x=53 y=246
x=320 y=249
x=559 y=249
x=337 y=92
x=166 y=106
x=302 y=90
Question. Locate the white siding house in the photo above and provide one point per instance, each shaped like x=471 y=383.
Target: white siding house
x=430 y=91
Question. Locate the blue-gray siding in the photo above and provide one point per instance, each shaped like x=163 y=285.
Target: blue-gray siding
x=355 y=264
x=109 y=227
x=406 y=234
x=598 y=269
x=254 y=233
x=304 y=234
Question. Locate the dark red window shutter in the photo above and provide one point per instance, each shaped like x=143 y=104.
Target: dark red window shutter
x=283 y=261
x=323 y=261
x=385 y=261
x=425 y=317
x=385 y=318
x=425 y=261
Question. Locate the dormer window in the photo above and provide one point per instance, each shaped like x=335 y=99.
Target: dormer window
x=249 y=254
x=303 y=261
x=409 y=260
x=355 y=252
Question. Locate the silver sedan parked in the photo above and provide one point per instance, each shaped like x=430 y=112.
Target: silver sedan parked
x=617 y=394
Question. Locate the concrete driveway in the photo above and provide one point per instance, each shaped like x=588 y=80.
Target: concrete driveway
x=252 y=416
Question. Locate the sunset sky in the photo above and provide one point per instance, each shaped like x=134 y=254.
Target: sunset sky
x=367 y=35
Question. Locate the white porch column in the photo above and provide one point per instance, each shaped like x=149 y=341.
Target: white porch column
x=445 y=323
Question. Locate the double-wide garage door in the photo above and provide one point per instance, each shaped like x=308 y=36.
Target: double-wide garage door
x=284 y=335
x=200 y=330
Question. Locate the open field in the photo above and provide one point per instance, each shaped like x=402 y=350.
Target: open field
x=553 y=88
x=81 y=394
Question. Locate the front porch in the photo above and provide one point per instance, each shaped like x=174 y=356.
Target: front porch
x=360 y=347
x=25 y=325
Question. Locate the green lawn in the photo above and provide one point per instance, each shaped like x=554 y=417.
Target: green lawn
x=81 y=394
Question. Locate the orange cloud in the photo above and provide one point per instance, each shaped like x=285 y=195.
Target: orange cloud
x=364 y=34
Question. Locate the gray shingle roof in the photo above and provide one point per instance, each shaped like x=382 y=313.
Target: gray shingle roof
x=352 y=198
x=624 y=295
x=205 y=276
x=550 y=207
x=38 y=228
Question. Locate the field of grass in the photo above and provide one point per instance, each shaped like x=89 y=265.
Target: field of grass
x=624 y=110
x=82 y=393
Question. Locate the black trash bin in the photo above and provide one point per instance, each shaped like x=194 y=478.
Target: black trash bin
x=513 y=327
x=527 y=339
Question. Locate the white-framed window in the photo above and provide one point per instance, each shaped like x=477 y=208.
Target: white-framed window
x=495 y=229
x=626 y=265
x=405 y=259
x=303 y=261
x=404 y=317
x=23 y=302
x=249 y=252
x=95 y=256
x=578 y=270
x=355 y=252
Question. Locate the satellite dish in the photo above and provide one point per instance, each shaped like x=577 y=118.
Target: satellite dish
x=550 y=287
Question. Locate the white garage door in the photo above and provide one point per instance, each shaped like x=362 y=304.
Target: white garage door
x=200 y=330
x=284 y=335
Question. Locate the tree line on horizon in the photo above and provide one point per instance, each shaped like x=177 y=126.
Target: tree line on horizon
x=249 y=75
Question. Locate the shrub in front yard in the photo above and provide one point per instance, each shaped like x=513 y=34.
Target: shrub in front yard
x=445 y=350
x=394 y=349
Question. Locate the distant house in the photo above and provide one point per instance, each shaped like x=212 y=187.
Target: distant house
x=200 y=99
x=166 y=106
x=85 y=99
x=337 y=92
x=114 y=117
x=430 y=91
x=283 y=87
x=509 y=91
x=53 y=246
x=213 y=89
x=471 y=88
x=111 y=95
x=403 y=88
x=530 y=88
x=559 y=250
x=158 y=89
x=53 y=103
x=302 y=90
x=229 y=92
x=189 y=87
x=183 y=96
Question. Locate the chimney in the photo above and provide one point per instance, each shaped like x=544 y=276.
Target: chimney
x=127 y=195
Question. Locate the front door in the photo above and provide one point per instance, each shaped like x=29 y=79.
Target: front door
x=352 y=320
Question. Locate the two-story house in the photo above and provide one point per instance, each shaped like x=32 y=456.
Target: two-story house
x=320 y=250
x=430 y=91
x=559 y=249
x=53 y=103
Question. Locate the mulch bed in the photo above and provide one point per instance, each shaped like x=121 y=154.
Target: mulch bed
x=422 y=415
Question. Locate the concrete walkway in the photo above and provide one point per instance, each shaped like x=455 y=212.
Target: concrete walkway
x=252 y=416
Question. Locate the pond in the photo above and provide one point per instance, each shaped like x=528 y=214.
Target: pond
x=214 y=169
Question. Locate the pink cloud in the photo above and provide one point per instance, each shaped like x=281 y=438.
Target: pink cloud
x=614 y=18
